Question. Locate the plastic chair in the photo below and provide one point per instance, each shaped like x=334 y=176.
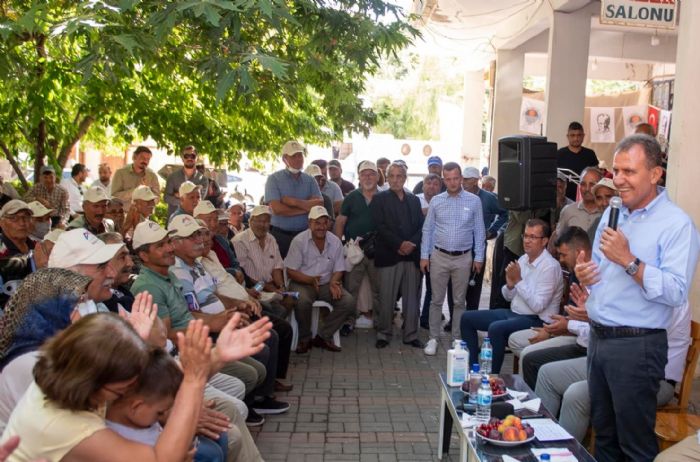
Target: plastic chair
x=315 y=317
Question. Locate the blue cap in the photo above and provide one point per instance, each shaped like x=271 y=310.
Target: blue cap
x=434 y=160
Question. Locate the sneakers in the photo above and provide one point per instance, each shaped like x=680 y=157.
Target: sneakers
x=363 y=322
x=269 y=405
x=254 y=419
x=431 y=348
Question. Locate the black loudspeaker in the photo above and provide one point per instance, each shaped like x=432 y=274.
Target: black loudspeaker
x=527 y=172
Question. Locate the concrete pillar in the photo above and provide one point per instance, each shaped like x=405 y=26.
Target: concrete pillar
x=567 y=67
x=473 y=110
x=684 y=165
x=508 y=95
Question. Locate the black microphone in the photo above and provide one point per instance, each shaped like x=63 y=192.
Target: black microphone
x=615 y=204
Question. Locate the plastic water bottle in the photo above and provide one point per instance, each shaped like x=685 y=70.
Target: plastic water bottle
x=474 y=383
x=483 y=401
x=486 y=356
x=545 y=457
x=457 y=364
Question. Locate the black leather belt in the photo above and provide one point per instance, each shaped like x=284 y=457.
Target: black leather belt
x=455 y=253
x=284 y=231
x=622 y=331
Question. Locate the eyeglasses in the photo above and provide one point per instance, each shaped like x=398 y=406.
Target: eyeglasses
x=530 y=237
x=18 y=218
x=190 y=156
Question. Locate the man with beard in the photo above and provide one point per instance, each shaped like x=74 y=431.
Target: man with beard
x=188 y=172
x=105 y=178
x=290 y=193
x=94 y=209
x=131 y=176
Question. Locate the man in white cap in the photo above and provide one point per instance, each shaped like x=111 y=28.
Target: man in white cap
x=355 y=221
x=221 y=246
x=328 y=188
x=290 y=193
x=314 y=170
x=603 y=191
x=235 y=215
x=81 y=251
x=15 y=223
x=315 y=266
x=13 y=270
x=188 y=172
x=41 y=220
x=190 y=195
x=94 y=209
x=143 y=203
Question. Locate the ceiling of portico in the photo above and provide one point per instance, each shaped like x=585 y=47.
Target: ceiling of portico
x=474 y=30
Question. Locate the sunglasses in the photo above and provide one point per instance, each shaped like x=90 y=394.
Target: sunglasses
x=190 y=156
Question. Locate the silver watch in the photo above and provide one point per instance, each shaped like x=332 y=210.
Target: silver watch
x=633 y=267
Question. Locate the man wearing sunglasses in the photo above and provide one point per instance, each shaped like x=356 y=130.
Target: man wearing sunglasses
x=188 y=172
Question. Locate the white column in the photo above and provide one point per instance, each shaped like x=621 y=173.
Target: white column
x=567 y=67
x=474 y=92
x=508 y=95
x=684 y=163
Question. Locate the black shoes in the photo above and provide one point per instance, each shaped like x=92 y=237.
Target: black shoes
x=381 y=344
x=415 y=343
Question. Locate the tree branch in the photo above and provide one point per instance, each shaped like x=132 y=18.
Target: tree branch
x=83 y=128
x=15 y=165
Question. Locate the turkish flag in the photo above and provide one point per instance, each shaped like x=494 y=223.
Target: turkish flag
x=653 y=115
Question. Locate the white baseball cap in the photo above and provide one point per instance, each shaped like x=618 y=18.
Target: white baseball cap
x=313 y=170
x=184 y=225
x=236 y=203
x=203 y=208
x=96 y=194
x=187 y=187
x=317 y=212
x=81 y=247
x=260 y=210
x=367 y=165
x=470 y=172
x=38 y=209
x=148 y=232
x=292 y=147
x=143 y=193
x=12 y=207
x=604 y=182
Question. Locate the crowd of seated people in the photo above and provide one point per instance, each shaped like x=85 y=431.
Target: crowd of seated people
x=167 y=341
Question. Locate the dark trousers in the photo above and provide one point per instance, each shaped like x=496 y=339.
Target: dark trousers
x=499 y=324
x=533 y=361
x=283 y=238
x=502 y=258
x=474 y=291
x=269 y=358
x=284 y=343
x=623 y=380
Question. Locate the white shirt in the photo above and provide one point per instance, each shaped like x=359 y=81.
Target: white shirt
x=678 y=334
x=581 y=330
x=107 y=188
x=14 y=381
x=540 y=290
x=75 y=195
x=423 y=203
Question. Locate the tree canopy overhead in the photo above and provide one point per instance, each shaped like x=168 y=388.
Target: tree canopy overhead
x=228 y=76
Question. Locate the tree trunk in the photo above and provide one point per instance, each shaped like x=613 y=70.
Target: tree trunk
x=15 y=165
x=83 y=128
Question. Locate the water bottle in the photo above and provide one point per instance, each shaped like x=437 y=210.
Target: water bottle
x=483 y=401
x=259 y=286
x=486 y=357
x=474 y=383
x=545 y=457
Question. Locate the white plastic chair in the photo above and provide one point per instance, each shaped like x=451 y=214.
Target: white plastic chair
x=315 y=316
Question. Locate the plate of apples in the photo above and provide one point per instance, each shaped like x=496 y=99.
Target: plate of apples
x=510 y=431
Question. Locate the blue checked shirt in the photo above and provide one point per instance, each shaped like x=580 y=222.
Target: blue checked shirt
x=664 y=238
x=454 y=223
x=282 y=183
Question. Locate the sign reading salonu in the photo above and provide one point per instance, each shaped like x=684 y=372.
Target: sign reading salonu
x=658 y=14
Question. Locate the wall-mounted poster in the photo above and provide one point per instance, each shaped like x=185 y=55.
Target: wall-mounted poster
x=531 y=116
x=633 y=116
x=664 y=129
x=602 y=124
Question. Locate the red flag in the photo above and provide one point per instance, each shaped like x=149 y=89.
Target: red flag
x=653 y=115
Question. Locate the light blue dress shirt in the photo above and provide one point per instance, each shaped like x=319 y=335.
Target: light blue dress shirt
x=665 y=239
x=454 y=223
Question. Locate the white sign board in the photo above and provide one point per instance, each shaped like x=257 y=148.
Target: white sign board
x=657 y=14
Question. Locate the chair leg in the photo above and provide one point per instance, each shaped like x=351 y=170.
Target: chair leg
x=315 y=315
x=295 y=330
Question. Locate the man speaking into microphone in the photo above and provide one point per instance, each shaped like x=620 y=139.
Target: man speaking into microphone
x=638 y=273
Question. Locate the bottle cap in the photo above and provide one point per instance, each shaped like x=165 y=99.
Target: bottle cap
x=475 y=367
x=545 y=456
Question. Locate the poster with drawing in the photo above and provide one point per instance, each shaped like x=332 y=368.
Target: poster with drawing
x=633 y=116
x=602 y=125
x=531 y=116
x=664 y=128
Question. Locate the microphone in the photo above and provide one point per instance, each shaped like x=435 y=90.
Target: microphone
x=615 y=204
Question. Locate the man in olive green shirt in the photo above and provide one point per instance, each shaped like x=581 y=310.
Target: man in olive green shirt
x=128 y=178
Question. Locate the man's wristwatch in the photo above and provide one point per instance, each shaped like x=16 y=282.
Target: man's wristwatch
x=633 y=267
